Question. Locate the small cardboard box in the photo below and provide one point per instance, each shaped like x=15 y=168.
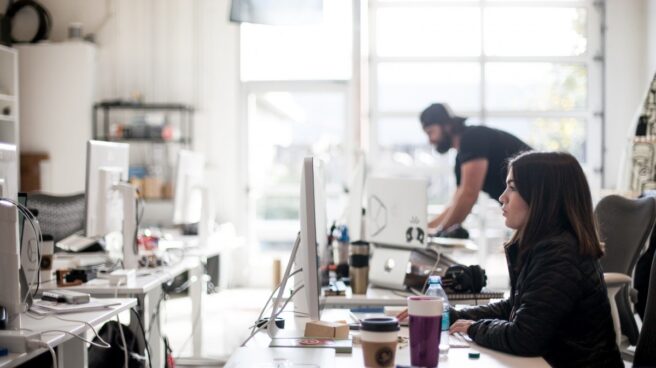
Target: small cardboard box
x=333 y=330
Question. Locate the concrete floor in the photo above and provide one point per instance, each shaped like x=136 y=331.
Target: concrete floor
x=226 y=319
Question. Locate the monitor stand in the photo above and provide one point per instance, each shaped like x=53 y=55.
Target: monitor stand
x=206 y=224
x=130 y=247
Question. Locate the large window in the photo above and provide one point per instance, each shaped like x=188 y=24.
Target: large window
x=295 y=82
x=527 y=67
x=524 y=66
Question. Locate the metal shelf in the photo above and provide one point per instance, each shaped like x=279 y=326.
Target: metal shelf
x=7 y=98
x=8 y=118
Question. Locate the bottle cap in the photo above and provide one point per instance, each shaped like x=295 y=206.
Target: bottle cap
x=434 y=280
x=474 y=355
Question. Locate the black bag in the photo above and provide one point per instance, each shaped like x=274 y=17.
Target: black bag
x=114 y=357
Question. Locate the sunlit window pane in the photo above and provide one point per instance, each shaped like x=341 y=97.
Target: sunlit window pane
x=284 y=128
x=535 y=31
x=567 y=2
x=394 y=132
x=316 y=52
x=428 y=31
x=551 y=134
x=536 y=86
x=410 y=87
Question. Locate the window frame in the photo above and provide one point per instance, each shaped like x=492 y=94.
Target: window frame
x=591 y=59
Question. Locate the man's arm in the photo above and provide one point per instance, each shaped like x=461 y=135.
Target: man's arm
x=438 y=220
x=472 y=177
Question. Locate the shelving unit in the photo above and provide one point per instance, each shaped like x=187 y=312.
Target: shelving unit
x=8 y=95
x=155 y=132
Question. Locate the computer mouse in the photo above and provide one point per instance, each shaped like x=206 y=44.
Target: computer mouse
x=3 y=318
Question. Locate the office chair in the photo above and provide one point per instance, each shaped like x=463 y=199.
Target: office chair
x=624 y=227
x=645 y=354
x=59 y=216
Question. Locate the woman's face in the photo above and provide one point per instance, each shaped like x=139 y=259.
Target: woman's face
x=514 y=208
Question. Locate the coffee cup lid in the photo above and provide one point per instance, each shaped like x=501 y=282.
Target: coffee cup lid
x=380 y=324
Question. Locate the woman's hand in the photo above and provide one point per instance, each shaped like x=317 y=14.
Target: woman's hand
x=461 y=326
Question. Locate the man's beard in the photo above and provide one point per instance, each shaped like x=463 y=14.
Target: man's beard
x=444 y=144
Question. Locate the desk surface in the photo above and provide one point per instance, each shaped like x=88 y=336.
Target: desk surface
x=458 y=357
x=377 y=297
x=147 y=279
x=56 y=338
x=374 y=298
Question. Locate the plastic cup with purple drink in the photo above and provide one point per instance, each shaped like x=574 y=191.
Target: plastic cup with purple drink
x=425 y=322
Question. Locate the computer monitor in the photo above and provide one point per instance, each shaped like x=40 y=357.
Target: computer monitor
x=396 y=212
x=354 y=204
x=10 y=296
x=313 y=238
x=189 y=179
x=107 y=166
x=8 y=171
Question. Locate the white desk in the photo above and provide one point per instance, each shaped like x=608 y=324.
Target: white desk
x=147 y=290
x=376 y=297
x=458 y=357
x=72 y=353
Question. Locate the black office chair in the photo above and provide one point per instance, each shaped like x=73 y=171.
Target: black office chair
x=645 y=353
x=624 y=227
x=59 y=216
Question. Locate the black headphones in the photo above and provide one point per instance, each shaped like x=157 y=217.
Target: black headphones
x=45 y=21
x=465 y=279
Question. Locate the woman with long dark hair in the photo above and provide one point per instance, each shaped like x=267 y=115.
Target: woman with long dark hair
x=558 y=306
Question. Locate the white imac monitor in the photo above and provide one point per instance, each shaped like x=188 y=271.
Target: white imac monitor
x=10 y=294
x=189 y=179
x=354 y=205
x=107 y=166
x=8 y=172
x=313 y=238
x=396 y=212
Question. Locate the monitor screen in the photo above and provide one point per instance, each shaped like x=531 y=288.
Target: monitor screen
x=189 y=178
x=313 y=238
x=107 y=165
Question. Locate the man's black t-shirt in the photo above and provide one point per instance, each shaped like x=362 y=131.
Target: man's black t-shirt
x=494 y=145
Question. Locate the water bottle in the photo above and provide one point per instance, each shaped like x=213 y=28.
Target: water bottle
x=435 y=289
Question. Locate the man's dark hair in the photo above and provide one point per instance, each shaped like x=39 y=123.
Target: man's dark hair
x=441 y=114
x=558 y=196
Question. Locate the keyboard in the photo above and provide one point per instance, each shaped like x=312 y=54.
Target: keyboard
x=459 y=340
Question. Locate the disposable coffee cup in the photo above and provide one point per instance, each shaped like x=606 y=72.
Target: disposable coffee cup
x=425 y=323
x=379 y=339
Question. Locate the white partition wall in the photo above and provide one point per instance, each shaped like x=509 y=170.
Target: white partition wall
x=57 y=95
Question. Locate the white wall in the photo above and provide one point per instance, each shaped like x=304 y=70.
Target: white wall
x=56 y=92
x=626 y=76
x=651 y=36
x=168 y=51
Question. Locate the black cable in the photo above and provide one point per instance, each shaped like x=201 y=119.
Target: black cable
x=143 y=331
x=45 y=21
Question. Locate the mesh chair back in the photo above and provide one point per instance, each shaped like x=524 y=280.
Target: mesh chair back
x=59 y=216
x=645 y=353
x=624 y=225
